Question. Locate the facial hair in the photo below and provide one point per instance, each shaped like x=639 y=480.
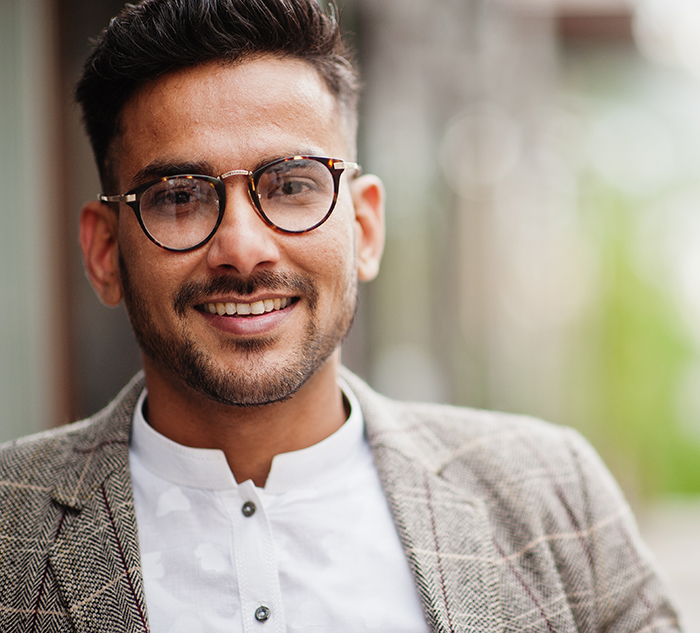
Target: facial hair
x=259 y=381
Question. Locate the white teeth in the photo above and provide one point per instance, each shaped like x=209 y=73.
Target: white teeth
x=258 y=307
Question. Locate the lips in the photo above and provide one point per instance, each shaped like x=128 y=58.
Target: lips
x=245 y=309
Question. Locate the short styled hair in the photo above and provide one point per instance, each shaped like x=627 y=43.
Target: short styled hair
x=150 y=39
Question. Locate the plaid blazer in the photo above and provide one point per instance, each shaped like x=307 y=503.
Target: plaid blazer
x=509 y=524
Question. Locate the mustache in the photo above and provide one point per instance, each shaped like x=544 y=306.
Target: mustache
x=194 y=292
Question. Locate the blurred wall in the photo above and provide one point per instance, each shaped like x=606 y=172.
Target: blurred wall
x=457 y=101
x=103 y=351
x=31 y=319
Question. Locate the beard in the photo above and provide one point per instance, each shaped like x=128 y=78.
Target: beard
x=257 y=381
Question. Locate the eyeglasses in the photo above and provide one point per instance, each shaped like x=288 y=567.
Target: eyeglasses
x=182 y=212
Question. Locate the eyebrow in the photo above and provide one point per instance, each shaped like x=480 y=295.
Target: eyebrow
x=161 y=169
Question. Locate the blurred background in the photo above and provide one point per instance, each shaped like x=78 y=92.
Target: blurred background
x=542 y=166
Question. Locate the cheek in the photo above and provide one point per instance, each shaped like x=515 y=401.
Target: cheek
x=153 y=272
x=132 y=240
x=344 y=236
x=335 y=251
x=327 y=257
x=338 y=274
x=331 y=246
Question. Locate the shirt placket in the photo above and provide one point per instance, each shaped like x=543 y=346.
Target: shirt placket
x=256 y=564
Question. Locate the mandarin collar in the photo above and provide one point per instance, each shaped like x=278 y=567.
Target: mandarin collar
x=208 y=469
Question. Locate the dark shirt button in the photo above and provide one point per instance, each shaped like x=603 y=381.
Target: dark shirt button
x=262 y=613
x=248 y=510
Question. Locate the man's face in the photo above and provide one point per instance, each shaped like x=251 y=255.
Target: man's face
x=212 y=119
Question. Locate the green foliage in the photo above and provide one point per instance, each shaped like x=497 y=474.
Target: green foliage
x=634 y=351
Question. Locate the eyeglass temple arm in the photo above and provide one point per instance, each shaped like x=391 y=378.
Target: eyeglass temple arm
x=130 y=197
x=342 y=164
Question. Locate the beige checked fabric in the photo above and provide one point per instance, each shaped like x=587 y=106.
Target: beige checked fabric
x=509 y=524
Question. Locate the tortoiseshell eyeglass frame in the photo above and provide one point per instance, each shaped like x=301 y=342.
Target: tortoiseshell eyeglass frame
x=133 y=197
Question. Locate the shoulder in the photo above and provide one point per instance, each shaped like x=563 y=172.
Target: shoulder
x=441 y=435
x=507 y=457
x=491 y=441
x=28 y=458
x=502 y=459
x=43 y=459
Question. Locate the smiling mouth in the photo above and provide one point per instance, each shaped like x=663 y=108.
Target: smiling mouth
x=247 y=309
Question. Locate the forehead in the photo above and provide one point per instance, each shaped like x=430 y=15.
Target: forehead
x=231 y=116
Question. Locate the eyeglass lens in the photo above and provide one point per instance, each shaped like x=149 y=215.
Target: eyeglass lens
x=180 y=212
x=294 y=195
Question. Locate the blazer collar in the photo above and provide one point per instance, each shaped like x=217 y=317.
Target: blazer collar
x=96 y=448
x=442 y=522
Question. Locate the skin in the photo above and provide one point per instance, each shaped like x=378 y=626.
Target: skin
x=238 y=117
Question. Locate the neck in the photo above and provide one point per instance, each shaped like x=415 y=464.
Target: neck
x=249 y=436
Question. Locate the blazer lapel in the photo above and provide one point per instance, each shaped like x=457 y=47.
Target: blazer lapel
x=95 y=561
x=95 y=554
x=444 y=527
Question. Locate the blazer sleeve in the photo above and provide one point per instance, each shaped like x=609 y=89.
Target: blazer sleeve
x=629 y=594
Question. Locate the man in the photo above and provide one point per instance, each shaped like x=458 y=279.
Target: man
x=245 y=481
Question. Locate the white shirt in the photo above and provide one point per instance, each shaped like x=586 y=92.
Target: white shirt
x=318 y=551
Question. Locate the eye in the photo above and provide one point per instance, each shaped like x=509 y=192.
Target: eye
x=171 y=197
x=178 y=196
x=294 y=182
x=178 y=193
x=291 y=186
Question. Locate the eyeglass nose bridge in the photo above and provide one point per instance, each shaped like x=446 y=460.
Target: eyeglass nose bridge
x=251 y=192
x=236 y=172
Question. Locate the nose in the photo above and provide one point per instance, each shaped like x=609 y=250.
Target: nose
x=243 y=242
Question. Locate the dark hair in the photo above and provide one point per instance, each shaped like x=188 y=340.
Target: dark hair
x=150 y=39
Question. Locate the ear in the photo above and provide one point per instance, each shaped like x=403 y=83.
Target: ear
x=368 y=198
x=98 y=241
